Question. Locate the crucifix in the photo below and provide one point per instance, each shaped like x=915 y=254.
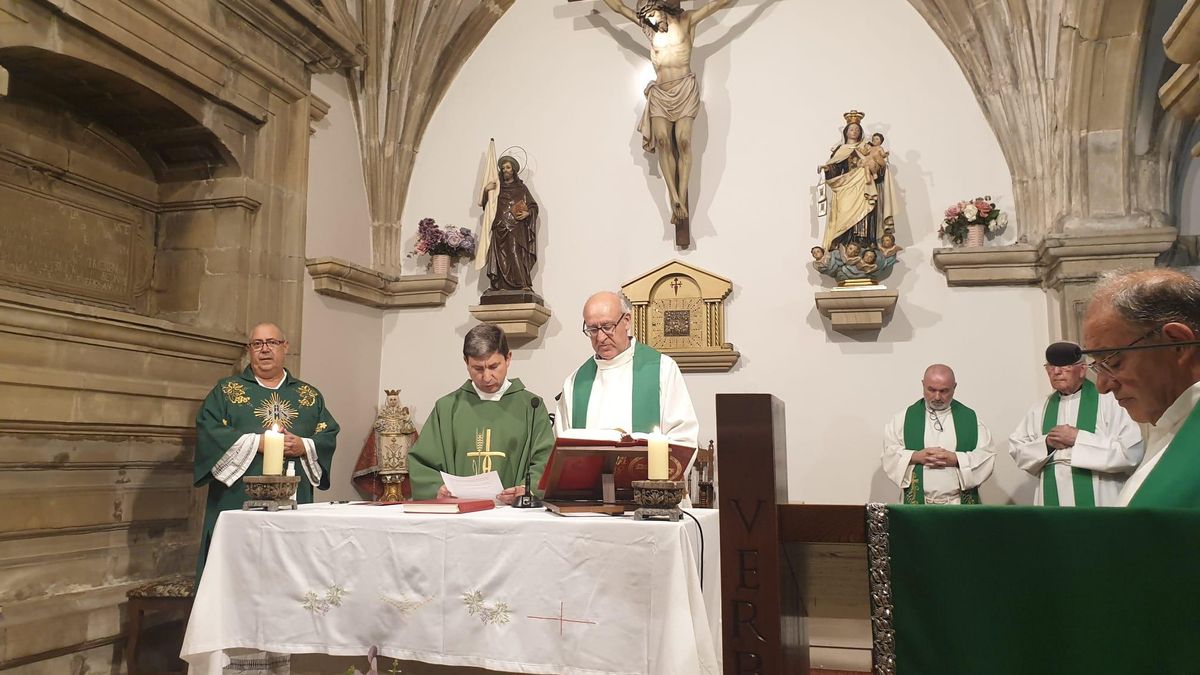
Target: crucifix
x=483 y=451
x=673 y=97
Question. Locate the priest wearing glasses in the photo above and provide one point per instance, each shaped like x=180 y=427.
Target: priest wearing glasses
x=1080 y=444
x=239 y=409
x=625 y=384
x=936 y=450
x=1142 y=330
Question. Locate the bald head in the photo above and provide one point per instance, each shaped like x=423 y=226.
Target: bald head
x=606 y=321
x=937 y=386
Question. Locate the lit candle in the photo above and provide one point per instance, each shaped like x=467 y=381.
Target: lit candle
x=657 y=453
x=272 y=452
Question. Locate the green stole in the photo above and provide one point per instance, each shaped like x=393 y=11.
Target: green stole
x=646 y=411
x=1175 y=480
x=1081 y=479
x=966 y=432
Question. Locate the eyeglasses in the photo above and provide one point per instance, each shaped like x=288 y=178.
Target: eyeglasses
x=1106 y=366
x=936 y=421
x=259 y=344
x=607 y=329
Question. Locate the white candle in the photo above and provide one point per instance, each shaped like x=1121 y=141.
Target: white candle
x=272 y=452
x=657 y=453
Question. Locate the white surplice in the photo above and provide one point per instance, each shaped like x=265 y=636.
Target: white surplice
x=611 y=403
x=1161 y=435
x=1111 y=453
x=942 y=486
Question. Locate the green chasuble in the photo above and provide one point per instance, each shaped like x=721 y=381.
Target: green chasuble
x=239 y=405
x=647 y=406
x=520 y=427
x=966 y=433
x=1085 y=420
x=1175 y=481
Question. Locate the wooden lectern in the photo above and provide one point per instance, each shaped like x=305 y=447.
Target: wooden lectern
x=777 y=559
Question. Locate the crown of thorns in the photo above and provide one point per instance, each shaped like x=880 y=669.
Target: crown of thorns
x=667 y=6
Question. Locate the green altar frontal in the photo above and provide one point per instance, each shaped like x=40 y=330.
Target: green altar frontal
x=1015 y=589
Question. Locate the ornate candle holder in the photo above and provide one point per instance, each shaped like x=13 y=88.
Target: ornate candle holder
x=658 y=499
x=270 y=493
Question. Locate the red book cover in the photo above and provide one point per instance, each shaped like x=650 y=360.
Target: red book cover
x=448 y=505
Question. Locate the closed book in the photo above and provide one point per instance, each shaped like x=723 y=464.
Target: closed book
x=448 y=505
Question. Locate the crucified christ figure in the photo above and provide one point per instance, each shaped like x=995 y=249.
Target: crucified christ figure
x=673 y=98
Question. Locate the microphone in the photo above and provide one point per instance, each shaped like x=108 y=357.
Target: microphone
x=528 y=500
x=1069 y=353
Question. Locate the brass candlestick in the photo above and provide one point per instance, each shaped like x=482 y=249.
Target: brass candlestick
x=658 y=499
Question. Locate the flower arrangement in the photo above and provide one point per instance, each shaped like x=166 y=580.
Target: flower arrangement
x=978 y=211
x=456 y=242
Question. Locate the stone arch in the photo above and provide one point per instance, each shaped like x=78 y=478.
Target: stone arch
x=173 y=141
x=1059 y=84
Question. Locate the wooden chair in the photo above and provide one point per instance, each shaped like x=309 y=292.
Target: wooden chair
x=174 y=594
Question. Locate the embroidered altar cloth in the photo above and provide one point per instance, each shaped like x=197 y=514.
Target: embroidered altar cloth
x=507 y=589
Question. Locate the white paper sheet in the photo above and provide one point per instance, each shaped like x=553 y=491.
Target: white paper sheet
x=483 y=486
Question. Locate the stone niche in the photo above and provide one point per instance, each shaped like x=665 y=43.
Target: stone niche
x=153 y=176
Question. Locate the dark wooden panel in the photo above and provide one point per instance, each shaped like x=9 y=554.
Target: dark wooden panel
x=762 y=619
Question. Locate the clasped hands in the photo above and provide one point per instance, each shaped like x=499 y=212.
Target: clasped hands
x=1061 y=436
x=506 y=497
x=934 y=458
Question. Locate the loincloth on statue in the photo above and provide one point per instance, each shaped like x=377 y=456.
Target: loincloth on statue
x=673 y=100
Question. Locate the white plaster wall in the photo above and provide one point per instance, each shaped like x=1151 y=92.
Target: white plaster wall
x=342 y=341
x=566 y=84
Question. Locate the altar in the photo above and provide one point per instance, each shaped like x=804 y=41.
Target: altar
x=505 y=589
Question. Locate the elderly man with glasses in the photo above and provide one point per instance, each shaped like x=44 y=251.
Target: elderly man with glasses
x=936 y=450
x=625 y=385
x=1079 y=443
x=231 y=422
x=1141 y=330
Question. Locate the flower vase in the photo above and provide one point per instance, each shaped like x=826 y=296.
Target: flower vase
x=440 y=265
x=975 y=235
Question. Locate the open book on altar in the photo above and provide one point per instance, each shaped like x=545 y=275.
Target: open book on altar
x=582 y=457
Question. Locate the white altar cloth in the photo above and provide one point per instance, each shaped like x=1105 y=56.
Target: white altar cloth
x=506 y=589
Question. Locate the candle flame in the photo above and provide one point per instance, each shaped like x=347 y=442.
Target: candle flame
x=276 y=428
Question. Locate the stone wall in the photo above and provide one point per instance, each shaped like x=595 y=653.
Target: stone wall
x=153 y=182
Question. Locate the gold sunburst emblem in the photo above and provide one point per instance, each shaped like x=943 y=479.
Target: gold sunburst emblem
x=274 y=411
x=308 y=395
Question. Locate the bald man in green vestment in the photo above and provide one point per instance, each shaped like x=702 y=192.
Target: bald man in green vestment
x=459 y=424
x=229 y=430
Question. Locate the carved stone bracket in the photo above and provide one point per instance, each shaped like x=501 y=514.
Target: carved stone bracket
x=520 y=321
x=854 y=309
x=365 y=286
x=1007 y=266
x=1057 y=260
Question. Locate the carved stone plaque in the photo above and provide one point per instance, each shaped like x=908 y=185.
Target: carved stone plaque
x=65 y=248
